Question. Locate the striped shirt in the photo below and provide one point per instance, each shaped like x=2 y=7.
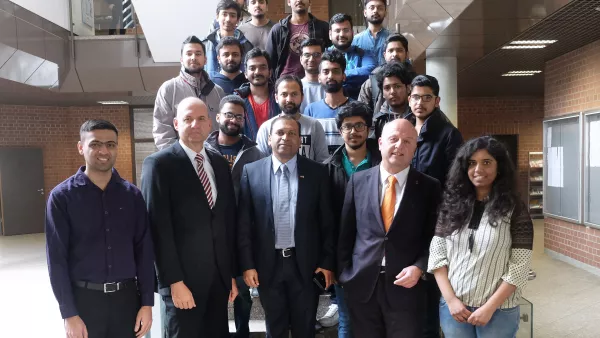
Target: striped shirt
x=499 y=254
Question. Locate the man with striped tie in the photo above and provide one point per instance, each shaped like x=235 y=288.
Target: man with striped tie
x=191 y=202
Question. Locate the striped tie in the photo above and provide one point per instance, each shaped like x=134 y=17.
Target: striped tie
x=204 y=180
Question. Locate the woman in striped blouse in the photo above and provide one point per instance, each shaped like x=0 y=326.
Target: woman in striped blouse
x=481 y=251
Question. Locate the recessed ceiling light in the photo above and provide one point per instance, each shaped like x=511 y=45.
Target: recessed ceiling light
x=532 y=42
x=527 y=74
x=597 y=8
x=113 y=102
x=524 y=72
x=524 y=47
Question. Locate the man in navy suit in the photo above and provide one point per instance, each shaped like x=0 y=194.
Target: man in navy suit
x=388 y=220
x=286 y=232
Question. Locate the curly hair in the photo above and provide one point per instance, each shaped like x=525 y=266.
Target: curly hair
x=459 y=193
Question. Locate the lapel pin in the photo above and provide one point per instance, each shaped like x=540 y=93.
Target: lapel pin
x=301 y=176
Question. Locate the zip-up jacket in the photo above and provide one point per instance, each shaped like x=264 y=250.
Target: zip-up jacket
x=359 y=64
x=250 y=124
x=212 y=40
x=384 y=116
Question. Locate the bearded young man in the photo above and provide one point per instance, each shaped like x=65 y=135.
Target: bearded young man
x=373 y=39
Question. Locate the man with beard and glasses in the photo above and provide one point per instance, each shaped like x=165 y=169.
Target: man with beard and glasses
x=356 y=154
x=230 y=77
x=331 y=77
x=395 y=50
x=283 y=43
x=228 y=14
x=238 y=150
x=258 y=93
x=192 y=81
x=288 y=94
x=394 y=83
x=311 y=53
x=373 y=39
x=257 y=30
x=359 y=62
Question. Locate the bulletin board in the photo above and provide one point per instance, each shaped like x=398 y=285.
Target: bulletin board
x=591 y=196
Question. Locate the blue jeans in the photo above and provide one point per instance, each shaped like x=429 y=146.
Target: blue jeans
x=344 y=330
x=503 y=324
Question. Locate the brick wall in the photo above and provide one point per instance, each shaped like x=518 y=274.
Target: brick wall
x=56 y=131
x=479 y=116
x=318 y=8
x=573 y=85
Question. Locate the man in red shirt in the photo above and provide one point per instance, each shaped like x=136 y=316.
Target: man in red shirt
x=257 y=92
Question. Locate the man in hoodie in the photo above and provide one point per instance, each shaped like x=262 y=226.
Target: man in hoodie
x=230 y=77
x=258 y=93
x=359 y=62
x=394 y=83
x=192 y=81
x=238 y=150
x=283 y=43
x=357 y=153
x=228 y=15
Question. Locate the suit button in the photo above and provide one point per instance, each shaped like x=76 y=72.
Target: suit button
x=385 y=238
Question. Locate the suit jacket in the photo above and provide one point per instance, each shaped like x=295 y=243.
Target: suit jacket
x=192 y=242
x=314 y=229
x=363 y=240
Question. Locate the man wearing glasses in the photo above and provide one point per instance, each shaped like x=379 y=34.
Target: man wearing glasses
x=437 y=144
x=311 y=53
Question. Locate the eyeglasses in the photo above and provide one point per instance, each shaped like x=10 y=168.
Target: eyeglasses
x=231 y=116
x=315 y=55
x=346 y=128
x=425 y=98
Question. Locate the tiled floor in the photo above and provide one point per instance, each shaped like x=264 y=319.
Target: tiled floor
x=566 y=299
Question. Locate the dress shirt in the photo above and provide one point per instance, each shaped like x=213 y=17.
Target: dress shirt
x=293 y=184
x=207 y=167
x=375 y=45
x=400 y=185
x=98 y=236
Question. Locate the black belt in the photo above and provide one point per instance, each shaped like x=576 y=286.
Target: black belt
x=106 y=287
x=287 y=252
x=382 y=269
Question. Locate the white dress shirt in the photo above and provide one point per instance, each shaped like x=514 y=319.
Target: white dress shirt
x=207 y=167
x=400 y=185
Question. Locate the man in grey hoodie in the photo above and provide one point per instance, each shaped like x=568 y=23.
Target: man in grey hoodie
x=192 y=81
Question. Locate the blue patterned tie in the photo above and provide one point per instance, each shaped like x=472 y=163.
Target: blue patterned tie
x=283 y=227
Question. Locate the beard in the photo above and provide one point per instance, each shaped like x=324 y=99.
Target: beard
x=375 y=21
x=333 y=87
x=343 y=46
x=289 y=109
x=193 y=71
x=357 y=146
x=259 y=16
x=302 y=11
x=258 y=81
x=230 y=132
x=231 y=68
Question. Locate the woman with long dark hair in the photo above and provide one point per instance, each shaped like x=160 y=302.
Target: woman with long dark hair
x=481 y=252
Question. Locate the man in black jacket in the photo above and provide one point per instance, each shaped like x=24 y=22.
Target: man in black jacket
x=393 y=81
x=283 y=43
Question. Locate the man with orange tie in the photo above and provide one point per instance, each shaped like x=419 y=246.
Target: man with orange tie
x=388 y=220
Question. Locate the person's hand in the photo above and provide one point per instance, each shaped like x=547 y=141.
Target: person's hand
x=234 y=291
x=481 y=316
x=182 y=296
x=458 y=310
x=75 y=327
x=408 y=277
x=251 y=278
x=329 y=278
x=143 y=321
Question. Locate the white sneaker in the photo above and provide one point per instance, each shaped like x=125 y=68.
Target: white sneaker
x=331 y=318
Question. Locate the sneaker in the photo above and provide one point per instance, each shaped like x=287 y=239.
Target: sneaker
x=331 y=318
x=254 y=292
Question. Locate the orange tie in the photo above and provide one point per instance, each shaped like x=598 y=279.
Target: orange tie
x=389 y=203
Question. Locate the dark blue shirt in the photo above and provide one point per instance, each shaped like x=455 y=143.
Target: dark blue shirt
x=230 y=152
x=226 y=83
x=97 y=236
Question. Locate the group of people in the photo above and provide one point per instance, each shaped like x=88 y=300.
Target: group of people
x=294 y=168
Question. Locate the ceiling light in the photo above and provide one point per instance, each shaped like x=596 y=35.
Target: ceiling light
x=533 y=42
x=526 y=74
x=113 y=102
x=524 y=47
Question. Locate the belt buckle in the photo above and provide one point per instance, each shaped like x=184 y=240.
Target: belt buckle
x=111 y=287
x=283 y=252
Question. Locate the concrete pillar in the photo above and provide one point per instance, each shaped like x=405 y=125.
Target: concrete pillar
x=444 y=69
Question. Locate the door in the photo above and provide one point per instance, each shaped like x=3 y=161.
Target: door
x=22 y=199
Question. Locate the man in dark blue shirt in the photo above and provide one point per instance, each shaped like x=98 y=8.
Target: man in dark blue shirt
x=99 y=247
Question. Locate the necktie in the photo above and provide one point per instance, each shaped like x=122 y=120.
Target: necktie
x=282 y=218
x=389 y=203
x=204 y=180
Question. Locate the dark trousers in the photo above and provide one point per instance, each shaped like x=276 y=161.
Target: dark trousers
x=288 y=302
x=108 y=315
x=242 y=305
x=376 y=318
x=207 y=320
x=432 y=310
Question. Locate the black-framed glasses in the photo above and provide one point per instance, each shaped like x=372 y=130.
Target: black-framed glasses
x=315 y=55
x=231 y=116
x=425 y=98
x=359 y=126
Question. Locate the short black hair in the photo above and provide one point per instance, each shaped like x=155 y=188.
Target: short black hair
x=91 y=125
x=193 y=39
x=339 y=18
x=395 y=37
x=366 y=2
x=354 y=108
x=255 y=53
x=311 y=42
x=334 y=56
x=427 y=81
x=229 y=41
x=394 y=69
x=286 y=118
x=229 y=4
x=288 y=78
x=233 y=99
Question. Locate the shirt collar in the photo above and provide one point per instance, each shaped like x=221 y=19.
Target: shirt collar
x=400 y=177
x=81 y=179
x=192 y=154
x=291 y=164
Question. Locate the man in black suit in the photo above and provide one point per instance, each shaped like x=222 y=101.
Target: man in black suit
x=388 y=220
x=286 y=232
x=191 y=202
